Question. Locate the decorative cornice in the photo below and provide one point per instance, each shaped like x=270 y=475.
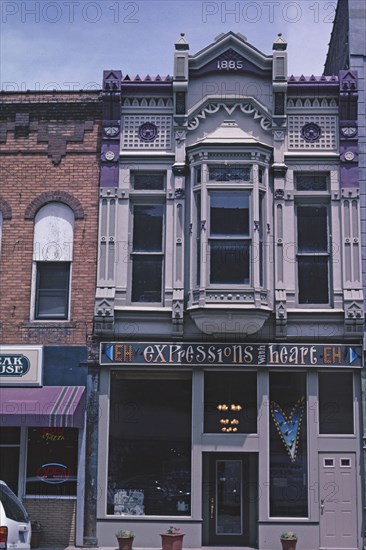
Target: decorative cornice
x=247 y=106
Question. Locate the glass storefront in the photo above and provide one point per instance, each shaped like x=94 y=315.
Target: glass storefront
x=149 y=464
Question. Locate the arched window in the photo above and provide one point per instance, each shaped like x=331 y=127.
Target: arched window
x=52 y=258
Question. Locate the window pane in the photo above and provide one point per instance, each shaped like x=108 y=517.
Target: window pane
x=232 y=389
x=198 y=237
x=229 y=172
x=311 y=182
x=149 y=468
x=229 y=262
x=312 y=229
x=146 y=278
x=288 y=445
x=336 y=403
x=313 y=279
x=52 y=459
x=52 y=292
x=148 y=181
x=229 y=213
x=148 y=228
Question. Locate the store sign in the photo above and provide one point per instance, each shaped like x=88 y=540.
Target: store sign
x=244 y=355
x=21 y=365
x=53 y=473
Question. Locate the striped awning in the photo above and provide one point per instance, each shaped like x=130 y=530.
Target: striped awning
x=53 y=406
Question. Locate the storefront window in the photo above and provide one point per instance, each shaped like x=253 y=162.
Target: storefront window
x=336 y=403
x=149 y=465
x=52 y=461
x=230 y=402
x=9 y=452
x=288 y=445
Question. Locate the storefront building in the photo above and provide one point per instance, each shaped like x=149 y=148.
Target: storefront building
x=229 y=304
x=48 y=226
x=347 y=50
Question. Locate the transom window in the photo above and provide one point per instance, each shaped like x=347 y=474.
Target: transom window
x=148 y=181
x=229 y=172
x=311 y=182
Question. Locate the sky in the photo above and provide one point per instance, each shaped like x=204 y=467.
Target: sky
x=66 y=44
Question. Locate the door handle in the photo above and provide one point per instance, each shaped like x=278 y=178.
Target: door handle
x=212 y=507
x=322 y=506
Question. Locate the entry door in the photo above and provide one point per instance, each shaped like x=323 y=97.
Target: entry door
x=338 y=500
x=226 y=506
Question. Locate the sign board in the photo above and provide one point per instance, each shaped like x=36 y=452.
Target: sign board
x=21 y=365
x=229 y=355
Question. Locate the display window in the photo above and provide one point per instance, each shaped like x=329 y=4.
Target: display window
x=336 y=403
x=52 y=461
x=288 y=445
x=230 y=402
x=149 y=458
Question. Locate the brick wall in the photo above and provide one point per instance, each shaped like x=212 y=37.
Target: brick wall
x=57 y=517
x=49 y=143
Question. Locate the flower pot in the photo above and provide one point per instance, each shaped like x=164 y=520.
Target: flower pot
x=288 y=544
x=171 y=542
x=125 y=543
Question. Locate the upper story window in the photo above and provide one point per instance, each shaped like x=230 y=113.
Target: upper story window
x=229 y=241
x=228 y=224
x=313 y=258
x=52 y=259
x=147 y=246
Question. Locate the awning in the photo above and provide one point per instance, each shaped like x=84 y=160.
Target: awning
x=50 y=406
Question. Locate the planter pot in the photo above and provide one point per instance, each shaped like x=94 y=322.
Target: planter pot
x=35 y=539
x=171 y=542
x=288 y=544
x=125 y=543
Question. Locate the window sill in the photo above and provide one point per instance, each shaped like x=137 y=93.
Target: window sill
x=39 y=323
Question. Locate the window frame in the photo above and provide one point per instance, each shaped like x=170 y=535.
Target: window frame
x=67 y=290
x=146 y=197
x=315 y=199
x=230 y=237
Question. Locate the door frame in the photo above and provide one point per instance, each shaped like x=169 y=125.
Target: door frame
x=249 y=500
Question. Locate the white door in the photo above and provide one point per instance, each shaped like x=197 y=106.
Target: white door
x=338 y=501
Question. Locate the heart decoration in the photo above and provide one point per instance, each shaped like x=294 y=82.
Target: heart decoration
x=288 y=427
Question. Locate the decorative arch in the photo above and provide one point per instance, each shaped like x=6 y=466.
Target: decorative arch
x=247 y=105
x=5 y=209
x=54 y=196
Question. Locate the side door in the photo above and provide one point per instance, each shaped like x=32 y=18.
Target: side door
x=338 y=500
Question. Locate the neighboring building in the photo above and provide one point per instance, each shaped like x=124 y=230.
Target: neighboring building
x=49 y=171
x=347 y=52
x=229 y=304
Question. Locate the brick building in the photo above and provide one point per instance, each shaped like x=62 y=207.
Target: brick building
x=49 y=170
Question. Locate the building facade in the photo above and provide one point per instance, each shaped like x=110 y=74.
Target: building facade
x=229 y=303
x=347 y=50
x=49 y=171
